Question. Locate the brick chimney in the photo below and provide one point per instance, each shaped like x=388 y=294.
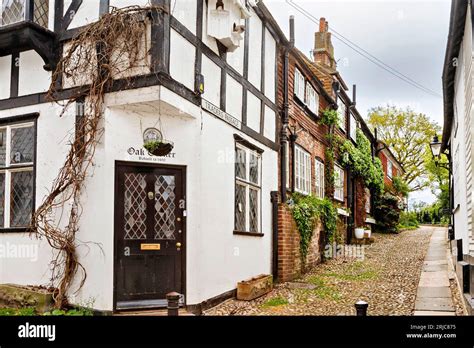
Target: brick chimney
x=323 y=49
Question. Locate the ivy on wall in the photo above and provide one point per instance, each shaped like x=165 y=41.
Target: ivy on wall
x=330 y=118
x=359 y=159
x=307 y=211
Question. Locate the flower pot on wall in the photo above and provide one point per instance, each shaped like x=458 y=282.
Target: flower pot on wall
x=359 y=233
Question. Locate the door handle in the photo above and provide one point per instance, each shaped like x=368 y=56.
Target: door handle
x=178 y=245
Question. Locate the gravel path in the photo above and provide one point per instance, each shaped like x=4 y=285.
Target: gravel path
x=387 y=278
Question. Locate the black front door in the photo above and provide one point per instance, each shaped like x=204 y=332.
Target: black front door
x=149 y=233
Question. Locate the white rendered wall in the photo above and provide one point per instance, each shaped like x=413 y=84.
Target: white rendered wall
x=182 y=51
x=234 y=98
x=32 y=77
x=87 y=13
x=255 y=51
x=254 y=106
x=5 y=76
x=185 y=12
x=269 y=128
x=212 y=80
x=270 y=65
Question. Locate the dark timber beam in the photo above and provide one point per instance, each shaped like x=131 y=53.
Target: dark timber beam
x=70 y=13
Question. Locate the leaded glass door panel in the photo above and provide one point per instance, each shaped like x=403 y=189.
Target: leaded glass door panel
x=149 y=225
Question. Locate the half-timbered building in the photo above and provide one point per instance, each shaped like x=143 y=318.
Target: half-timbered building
x=195 y=221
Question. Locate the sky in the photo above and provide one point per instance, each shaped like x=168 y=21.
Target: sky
x=408 y=35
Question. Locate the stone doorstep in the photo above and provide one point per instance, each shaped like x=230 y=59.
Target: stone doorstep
x=434 y=304
x=433 y=291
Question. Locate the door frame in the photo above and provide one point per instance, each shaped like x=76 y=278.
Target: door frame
x=116 y=223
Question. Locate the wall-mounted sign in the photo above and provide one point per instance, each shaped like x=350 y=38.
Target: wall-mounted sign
x=207 y=105
x=140 y=154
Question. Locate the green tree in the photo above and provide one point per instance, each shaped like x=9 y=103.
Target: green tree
x=407 y=133
x=438 y=178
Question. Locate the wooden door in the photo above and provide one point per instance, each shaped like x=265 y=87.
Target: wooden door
x=149 y=233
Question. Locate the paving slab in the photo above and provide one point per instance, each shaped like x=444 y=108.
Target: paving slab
x=435 y=262
x=434 y=296
x=433 y=291
x=434 y=279
x=434 y=304
x=435 y=268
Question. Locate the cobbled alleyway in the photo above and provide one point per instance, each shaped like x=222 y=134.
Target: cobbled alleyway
x=387 y=278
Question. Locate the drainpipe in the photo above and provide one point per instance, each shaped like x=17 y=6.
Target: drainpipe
x=285 y=114
x=274 y=200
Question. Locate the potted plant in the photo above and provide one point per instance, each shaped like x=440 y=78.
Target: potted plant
x=367 y=232
x=158 y=147
x=359 y=232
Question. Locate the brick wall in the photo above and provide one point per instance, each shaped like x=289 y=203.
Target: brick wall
x=311 y=135
x=360 y=200
x=289 y=256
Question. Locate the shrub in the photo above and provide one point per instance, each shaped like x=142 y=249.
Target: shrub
x=387 y=213
x=408 y=220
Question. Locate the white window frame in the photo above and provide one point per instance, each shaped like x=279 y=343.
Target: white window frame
x=319 y=178
x=302 y=171
x=312 y=98
x=343 y=114
x=368 y=206
x=389 y=169
x=245 y=182
x=299 y=85
x=353 y=127
x=10 y=168
x=339 y=176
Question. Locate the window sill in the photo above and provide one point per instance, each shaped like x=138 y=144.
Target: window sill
x=250 y=234
x=15 y=230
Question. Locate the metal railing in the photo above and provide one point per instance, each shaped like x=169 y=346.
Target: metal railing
x=15 y=11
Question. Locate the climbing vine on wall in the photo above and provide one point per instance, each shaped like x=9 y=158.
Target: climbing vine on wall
x=307 y=211
x=113 y=46
x=359 y=159
x=330 y=118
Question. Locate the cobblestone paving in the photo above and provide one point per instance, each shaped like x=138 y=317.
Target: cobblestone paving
x=387 y=278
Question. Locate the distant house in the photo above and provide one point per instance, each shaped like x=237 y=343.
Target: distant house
x=391 y=167
x=458 y=140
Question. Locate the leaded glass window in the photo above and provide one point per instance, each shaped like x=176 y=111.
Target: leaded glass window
x=17 y=154
x=247 y=190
